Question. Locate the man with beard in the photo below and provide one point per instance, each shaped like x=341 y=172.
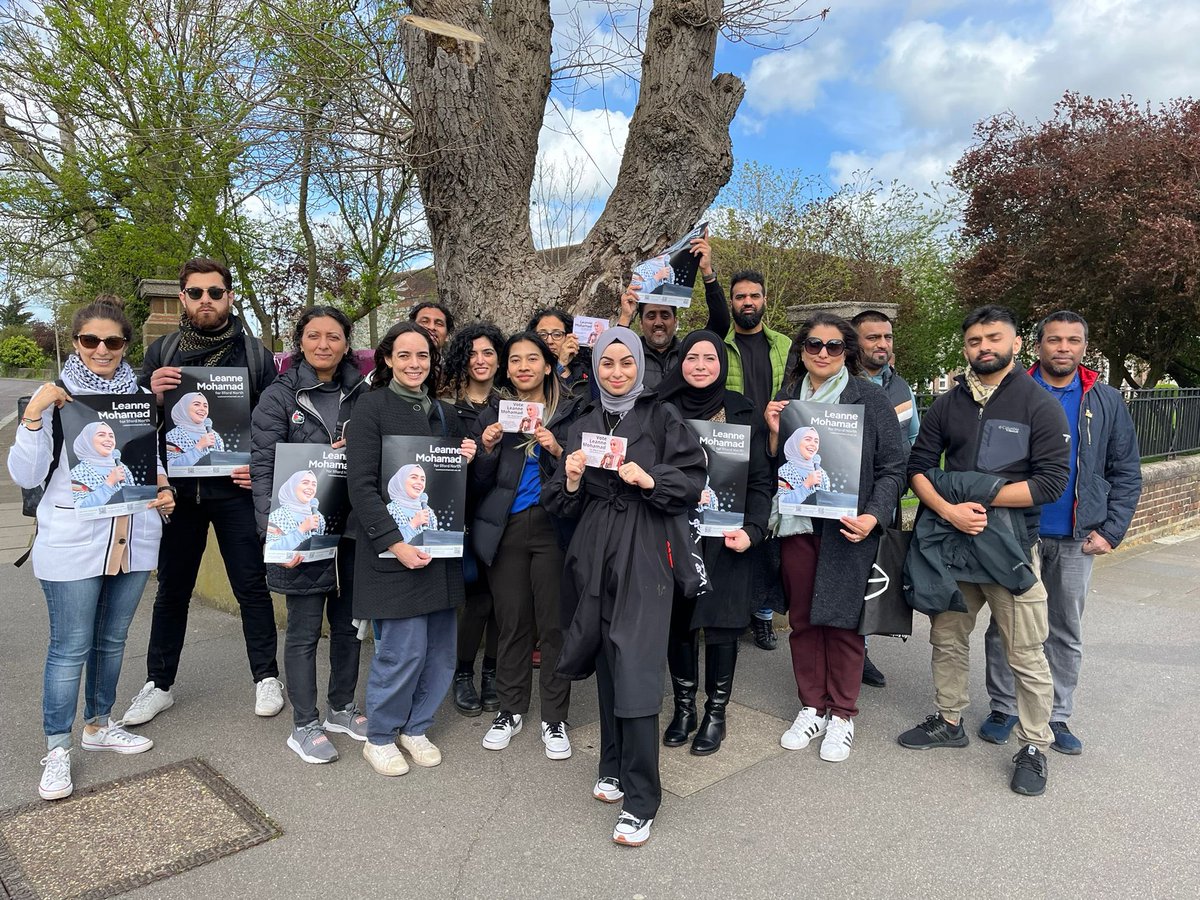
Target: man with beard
x=1089 y=519
x=660 y=322
x=209 y=335
x=997 y=421
x=757 y=361
x=434 y=318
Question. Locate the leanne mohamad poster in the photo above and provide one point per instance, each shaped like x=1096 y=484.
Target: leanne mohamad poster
x=112 y=447
x=604 y=451
x=821 y=445
x=587 y=329
x=722 y=505
x=425 y=487
x=309 y=503
x=207 y=418
x=669 y=277
x=520 y=417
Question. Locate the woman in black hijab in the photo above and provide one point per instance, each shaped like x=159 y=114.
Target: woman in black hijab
x=617 y=576
x=696 y=387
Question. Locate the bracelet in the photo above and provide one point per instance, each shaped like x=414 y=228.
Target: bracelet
x=26 y=421
x=709 y=279
x=168 y=487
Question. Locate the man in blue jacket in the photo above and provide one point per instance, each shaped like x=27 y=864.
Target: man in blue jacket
x=1089 y=519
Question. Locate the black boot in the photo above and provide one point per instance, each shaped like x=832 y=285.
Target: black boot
x=683 y=659
x=719 y=662
x=466 y=700
x=764 y=632
x=488 y=697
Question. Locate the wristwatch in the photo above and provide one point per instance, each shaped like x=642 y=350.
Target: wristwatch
x=169 y=487
x=709 y=278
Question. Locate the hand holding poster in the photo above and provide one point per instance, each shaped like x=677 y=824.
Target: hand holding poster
x=112 y=447
x=209 y=422
x=604 y=451
x=587 y=329
x=519 y=417
x=425 y=488
x=822 y=448
x=722 y=504
x=309 y=505
x=668 y=278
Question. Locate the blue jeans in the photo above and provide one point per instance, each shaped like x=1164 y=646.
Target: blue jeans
x=411 y=672
x=89 y=620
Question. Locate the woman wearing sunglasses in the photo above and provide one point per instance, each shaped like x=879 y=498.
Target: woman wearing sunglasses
x=92 y=571
x=826 y=562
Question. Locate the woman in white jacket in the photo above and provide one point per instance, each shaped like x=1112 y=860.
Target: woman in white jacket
x=93 y=571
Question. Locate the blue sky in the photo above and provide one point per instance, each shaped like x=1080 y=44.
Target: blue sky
x=896 y=87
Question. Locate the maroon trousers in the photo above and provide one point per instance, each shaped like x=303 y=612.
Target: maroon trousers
x=827 y=662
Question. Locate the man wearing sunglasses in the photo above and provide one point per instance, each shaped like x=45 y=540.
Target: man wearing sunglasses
x=209 y=335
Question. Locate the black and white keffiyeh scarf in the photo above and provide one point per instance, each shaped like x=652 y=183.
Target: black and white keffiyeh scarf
x=79 y=379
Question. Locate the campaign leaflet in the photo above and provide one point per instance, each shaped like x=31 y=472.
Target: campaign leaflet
x=519 y=417
x=587 y=329
x=309 y=503
x=668 y=277
x=425 y=487
x=722 y=504
x=822 y=451
x=207 y=418
x=112 y=448
x=604 y=451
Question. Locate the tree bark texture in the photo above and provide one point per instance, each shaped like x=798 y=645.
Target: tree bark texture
x=477 y=113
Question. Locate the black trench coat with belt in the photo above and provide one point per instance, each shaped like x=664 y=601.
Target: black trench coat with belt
x=617 y=580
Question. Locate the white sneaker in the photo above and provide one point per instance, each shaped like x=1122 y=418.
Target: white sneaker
x=268 y=697
x=631 y=831
x=504 y=727
x=56 y=777
x=608 y=790
x=385 y=759
x=421 y=749
x=839 y=738
x=807 y=726
x=114 y=737
x=148 y=703
x=554 y=736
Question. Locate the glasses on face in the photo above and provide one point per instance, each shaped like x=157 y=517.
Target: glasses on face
x=813 y=346
x=91 y=342
x=195 y=293
x=556 y=335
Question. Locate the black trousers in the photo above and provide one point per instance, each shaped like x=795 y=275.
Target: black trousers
x=477 y=618
x=305 y=612
x=525 y=578
x=628 y=749
x=682 y=609
x=179 y=556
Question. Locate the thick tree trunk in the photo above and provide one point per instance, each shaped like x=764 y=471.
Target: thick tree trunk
x=477 y=112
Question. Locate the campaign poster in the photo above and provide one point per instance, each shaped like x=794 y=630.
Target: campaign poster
x=668 y=277
x=207 y=418
x=519 y=417
x=822 y=448
x=309 y=503
x=604 y=451
x=425 y=488
x=722 y=504
x=588 y=329
x=112 y=447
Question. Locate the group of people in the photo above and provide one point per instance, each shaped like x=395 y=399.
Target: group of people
x=575 y=570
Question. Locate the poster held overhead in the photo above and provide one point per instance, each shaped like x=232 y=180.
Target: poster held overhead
x=722 y=505
x=309 y=503
x=208 y=420
x=425 y=489
x=112 y=448
x=822 y=448
x=669 y=276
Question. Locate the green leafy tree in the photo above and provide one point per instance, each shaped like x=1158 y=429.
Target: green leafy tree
x=21 y=352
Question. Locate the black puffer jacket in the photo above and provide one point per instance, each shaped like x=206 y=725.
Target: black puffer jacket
x=286 y=415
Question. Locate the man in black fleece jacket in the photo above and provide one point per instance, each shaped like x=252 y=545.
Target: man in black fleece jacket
x=997 y=420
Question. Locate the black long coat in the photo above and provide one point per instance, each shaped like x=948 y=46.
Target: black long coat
x=732 y=599
x=843 y=567
x=383 y=587
x=617 y=580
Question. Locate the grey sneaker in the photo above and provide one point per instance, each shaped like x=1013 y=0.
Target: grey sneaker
x=349 y=721
x=312 y=745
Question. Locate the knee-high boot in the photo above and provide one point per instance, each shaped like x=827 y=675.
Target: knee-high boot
x=719 y=662
x=683 y=659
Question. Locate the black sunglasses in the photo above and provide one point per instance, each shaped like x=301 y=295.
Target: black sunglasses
x=91 y=342
x=813 y=346
x=216 y=293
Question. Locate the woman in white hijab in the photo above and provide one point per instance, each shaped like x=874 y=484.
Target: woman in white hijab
x=99 y=474
x=409 y=504
x=296 y=519
x=192 y=437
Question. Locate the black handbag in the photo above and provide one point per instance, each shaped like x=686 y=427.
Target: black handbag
x=885 y=611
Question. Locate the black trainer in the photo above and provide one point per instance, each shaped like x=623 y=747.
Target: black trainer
x=934 y=732
x=1029 y=777
x=871 y=674
x=764 y=632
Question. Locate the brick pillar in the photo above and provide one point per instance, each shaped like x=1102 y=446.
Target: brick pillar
x=848 y=310
x=162 y=294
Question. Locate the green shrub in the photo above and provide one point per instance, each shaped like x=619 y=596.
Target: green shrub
x=21 y=352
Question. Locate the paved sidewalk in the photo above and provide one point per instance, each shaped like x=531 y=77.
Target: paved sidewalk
x=1120 y=820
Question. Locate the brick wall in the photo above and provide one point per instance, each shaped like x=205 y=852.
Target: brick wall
x=1170 y=499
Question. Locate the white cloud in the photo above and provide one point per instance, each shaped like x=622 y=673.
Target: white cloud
x=791 y=80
